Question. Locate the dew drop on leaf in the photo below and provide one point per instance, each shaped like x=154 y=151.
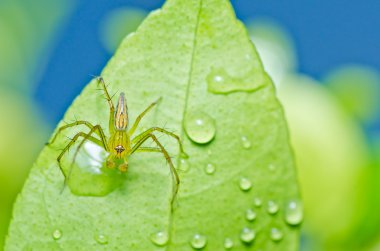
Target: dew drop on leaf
x=210 y=168
x=245 y=142
x=228 y=243
x=101 y=239
x=184 y=165
x=247 y=235
x=57 y=234
x=200 y=127
x=276 y=234
x=257 y=202
x=198 y=241
x=245 y=184
x=250 y=215
x=294 y=213
x=160 y=238
x=272 y=207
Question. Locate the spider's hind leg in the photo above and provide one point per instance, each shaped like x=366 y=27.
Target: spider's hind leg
x=161 y=149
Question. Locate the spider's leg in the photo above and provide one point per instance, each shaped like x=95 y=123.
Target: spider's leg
x=148 y=149
x=76 y=123
x=173 y=171
x=110 y=103
x=72 y=142
x=138 y=119
x=158 y=129
x=102 y=143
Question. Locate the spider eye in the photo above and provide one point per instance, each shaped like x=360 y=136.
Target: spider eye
x=119 y=149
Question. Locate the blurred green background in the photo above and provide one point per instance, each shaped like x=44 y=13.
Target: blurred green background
x=50 y=48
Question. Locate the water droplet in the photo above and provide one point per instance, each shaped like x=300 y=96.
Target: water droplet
x=200 y=127
x=271 y=167
x=210 y=168
x=245 y=142
x=245 y=184
x=184 y=165
x=276 y=234
x=160 y=238
x=89 y=175
x=219 y=81
x=198 y=241
x=57 y=234
x=272 y=207
x=228 y=243
x=294 y=213
x=247 y=235
x=250 y=215
x=257 y=202
x=101 y=239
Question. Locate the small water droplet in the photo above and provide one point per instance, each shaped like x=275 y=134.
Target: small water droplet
x=245 y=142
x=159 y=238
x=257 y=202
x=57 y=234
x=294 y=213
x=245 y=184
x=200 y=127
x=247 y=235
x=271 y=167
x=272 y=207
x=184 y=165
x=228 y=243
x=210 y=168
x=250 y=215
x=198 y=241
x=276 y=234
x=101 y=239
x=218 y=79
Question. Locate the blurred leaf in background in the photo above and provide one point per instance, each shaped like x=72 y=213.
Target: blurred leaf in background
x=333 y=156
x=27 y=29
x=117 y=24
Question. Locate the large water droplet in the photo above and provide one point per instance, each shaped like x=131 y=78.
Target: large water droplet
x=210 y=168
x=276 y=234
x=89 y=175
x=294 y=213
x=57 y=234
x=160 y=238
x=219 y=81
x=184 y=165
x=200 y=127
x=250 y=215
x=245 y=184
x=198 y=241
x=272 y=207
x=247 y=235
x=101 y=239
x=245 y=142
x=257 y=202
x=228 y=243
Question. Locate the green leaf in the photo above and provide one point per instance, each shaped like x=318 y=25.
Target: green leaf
x=173 y=54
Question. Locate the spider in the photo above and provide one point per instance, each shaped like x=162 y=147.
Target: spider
x=120 y=145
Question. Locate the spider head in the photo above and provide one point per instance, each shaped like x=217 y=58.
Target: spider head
x=119 y=149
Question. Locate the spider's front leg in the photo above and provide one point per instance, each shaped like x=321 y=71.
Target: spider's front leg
x=161 y=149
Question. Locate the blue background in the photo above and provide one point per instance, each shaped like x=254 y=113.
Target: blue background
x=327 y=34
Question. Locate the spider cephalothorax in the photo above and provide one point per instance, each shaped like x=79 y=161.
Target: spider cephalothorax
x=120 y=145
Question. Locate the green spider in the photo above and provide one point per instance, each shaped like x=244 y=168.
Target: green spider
x=120 y=145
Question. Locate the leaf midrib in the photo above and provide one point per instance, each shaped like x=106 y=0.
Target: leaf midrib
x=187 y=94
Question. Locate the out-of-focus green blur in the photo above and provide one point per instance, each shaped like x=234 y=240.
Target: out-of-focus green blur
x=26 y=33
x=338 y=165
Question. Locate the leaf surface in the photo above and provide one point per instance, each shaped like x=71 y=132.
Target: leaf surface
x=198 y=57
